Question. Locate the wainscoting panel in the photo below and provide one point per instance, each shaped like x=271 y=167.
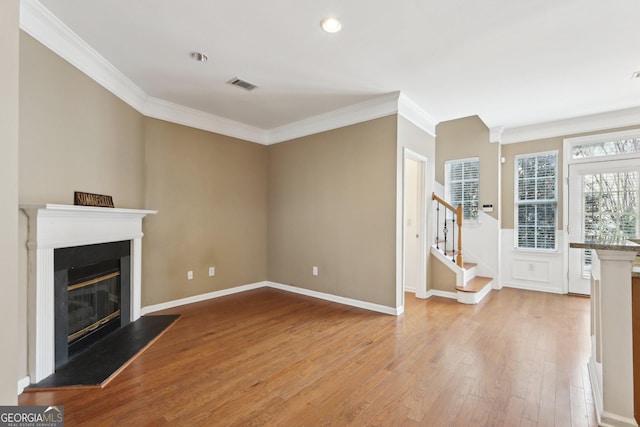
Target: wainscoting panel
x=532 y=270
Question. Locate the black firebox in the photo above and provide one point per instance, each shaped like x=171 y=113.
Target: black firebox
x=92 y=295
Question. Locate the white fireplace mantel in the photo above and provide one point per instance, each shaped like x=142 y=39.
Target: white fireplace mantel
x=60 y=226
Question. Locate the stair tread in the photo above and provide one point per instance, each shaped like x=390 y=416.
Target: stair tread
x=468 y=265
x=475 y=285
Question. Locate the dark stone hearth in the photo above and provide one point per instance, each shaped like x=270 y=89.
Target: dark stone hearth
x=99 y=362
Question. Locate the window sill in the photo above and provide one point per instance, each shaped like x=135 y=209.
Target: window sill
x=543 y=252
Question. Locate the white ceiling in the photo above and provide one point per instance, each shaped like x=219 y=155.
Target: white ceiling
x=512 y=62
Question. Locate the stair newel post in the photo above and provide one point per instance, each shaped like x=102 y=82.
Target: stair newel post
x=459 y=215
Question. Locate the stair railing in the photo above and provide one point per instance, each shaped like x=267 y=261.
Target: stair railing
x=456 y=219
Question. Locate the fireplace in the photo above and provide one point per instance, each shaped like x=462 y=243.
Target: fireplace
x=92 y=295
x=56 y=228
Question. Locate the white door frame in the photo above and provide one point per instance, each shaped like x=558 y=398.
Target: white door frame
x=421 y=286
x=567 y=160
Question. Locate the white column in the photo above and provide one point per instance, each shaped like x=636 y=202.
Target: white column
x=617 y=338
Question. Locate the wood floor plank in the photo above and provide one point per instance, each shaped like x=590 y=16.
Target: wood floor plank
x=267 y=357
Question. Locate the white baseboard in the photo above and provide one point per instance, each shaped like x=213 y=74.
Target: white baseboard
x=443 y=294
x=320 y=295
x=23 y=383
x=202 y=297
x=340 y=300
x=604 y=418
x=595 y=388
x=532 y=288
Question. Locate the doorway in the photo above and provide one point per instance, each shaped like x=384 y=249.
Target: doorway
x=414 y=223
x=603 y=204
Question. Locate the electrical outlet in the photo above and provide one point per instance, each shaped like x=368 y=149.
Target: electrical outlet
x=190 y=275
x=212 y=271
x=314 y=271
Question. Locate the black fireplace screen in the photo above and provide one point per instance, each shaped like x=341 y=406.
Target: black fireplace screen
x=92 y=303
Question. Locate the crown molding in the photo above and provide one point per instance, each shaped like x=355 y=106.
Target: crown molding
x=45 y=27
x=174 y=113
x=495 y=134
x=368 y=110
x=416 y=115
x=573 y=126
x=41 y=24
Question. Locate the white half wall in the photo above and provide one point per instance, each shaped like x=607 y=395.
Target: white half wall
x=532 y=270
x=480 y=244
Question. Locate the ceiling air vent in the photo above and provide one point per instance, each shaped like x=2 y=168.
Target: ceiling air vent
x=242 y=83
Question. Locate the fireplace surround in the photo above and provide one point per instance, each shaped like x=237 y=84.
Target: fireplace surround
x=63 y=226
x=92 y=295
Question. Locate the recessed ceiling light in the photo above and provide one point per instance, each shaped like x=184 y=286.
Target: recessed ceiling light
x=635 y=75
x=331 y=24
x=199 y=56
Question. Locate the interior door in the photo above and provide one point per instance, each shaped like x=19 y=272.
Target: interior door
x=412 y=224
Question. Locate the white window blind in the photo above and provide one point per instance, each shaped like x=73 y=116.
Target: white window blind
x=536 y=201
x=461 y=187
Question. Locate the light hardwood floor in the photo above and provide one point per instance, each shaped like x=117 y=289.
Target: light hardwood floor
x=267 y=357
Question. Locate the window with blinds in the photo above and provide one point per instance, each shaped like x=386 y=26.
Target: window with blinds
x=461 y=186
x=536 y=200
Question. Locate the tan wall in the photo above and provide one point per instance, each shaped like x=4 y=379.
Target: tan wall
x=332 y=204
x=9 y=200
x=442 y=278
x=74 y=135
x=211 y=194
x=509 y=151
x=469 y=137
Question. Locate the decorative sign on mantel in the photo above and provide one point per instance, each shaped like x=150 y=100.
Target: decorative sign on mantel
x=89 y=199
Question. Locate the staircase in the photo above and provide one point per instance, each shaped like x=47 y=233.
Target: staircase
x=469 y=287
x=474 y=287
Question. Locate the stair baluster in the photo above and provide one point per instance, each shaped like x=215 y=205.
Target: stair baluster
x=437 y=226
x=453 y=238
x=445 y=231
x=456 y=221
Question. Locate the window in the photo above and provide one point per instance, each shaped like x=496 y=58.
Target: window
x=614 y=147
x=610 y=206
x=536 y=200
x=462 y=179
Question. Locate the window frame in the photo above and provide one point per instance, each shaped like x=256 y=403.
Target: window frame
x=571 y=143
x=447 y=182
x=517 y=203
